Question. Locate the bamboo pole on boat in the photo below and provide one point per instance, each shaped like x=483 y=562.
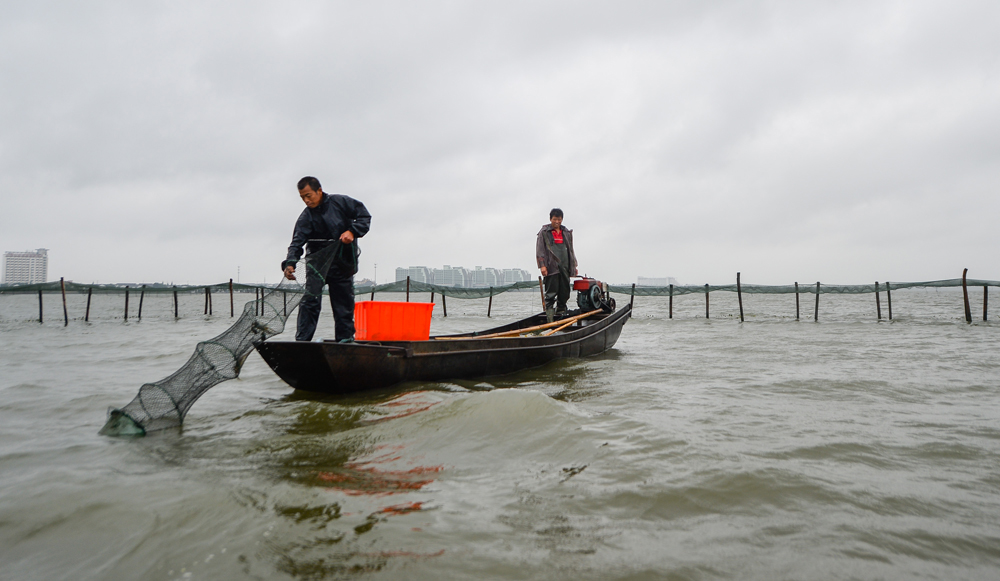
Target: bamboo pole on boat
x=62 y=286
x=517 y=332
x=965 y=296
x=561 y=327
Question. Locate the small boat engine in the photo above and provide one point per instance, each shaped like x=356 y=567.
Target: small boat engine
x=593 y=294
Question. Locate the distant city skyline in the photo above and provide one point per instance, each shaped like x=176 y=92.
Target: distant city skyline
x=458 y=276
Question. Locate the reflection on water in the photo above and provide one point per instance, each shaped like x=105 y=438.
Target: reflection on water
x=358 y=483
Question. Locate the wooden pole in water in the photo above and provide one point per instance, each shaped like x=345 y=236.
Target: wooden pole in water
x=39 y=305
x=888 y=298
x=489 y=308
x=175 y=304
x=209 y=291
x=796 y=300
x=444 y=303
x=965 y=293
x=986 y=296
x=878 y=302
x=631 y=301
x=706 y=301
x=541 y=289
x=232 y=308
x=142 y=296
x=62 y=286
x=86 y=318
x=816 y=313
x=206 y=300
x=126 y=302
x=407 y=289
x=432 y=296
x=739 y=295
x=671 y=301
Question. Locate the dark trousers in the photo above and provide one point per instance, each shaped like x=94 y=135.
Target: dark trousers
x=341 y=285
x=557 y=291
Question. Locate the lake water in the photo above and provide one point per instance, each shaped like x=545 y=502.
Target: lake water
x=695 y=449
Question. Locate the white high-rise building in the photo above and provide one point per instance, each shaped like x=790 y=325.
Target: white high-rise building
x=656 y=281
x=449 y=276
x=483 y=277
x=28 y=267
x=512 y=275
x=416 y=274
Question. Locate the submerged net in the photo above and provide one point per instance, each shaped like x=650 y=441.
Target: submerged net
x=814 y=288
x=163 y=404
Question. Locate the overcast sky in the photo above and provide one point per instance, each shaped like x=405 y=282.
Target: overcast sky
x=845 y=142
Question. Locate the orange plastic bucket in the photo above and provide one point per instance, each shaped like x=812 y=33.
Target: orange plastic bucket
x=389 y=321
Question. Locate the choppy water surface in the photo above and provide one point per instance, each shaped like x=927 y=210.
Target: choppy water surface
x=696 y=449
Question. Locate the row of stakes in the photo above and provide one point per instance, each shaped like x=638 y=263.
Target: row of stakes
x=259 y=294
x=258 y=307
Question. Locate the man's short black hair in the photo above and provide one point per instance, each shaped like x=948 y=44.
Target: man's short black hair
x=311 y=182
x=555 y=213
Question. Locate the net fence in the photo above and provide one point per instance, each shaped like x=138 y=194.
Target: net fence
x=164 y=403
x=400 y=286
x=813 y=288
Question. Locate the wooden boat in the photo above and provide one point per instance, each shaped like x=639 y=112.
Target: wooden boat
x=337 y=368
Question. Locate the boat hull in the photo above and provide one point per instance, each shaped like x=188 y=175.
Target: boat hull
x=338 y=368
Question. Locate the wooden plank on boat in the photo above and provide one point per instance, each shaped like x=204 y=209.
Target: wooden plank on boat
x=517 y=332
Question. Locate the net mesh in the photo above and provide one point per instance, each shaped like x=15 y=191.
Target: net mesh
x=164 y=403
x=845 y=289
x=483 y=292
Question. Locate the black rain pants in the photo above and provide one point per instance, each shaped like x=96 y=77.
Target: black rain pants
x=341 y=283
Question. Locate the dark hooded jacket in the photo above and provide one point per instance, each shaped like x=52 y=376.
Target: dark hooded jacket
x=545 y=256
x=333 y=216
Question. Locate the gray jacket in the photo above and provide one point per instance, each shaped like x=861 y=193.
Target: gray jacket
x=545 y=256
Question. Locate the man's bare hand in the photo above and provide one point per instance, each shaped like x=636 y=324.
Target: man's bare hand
x=347 y=237
x=545 y=271
x=290 y=272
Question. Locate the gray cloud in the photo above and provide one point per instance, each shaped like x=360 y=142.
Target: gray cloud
x=792 y=141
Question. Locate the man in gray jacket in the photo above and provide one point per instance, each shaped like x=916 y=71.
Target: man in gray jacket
x=557 y=261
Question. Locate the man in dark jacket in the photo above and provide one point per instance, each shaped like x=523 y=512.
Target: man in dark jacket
x=328 y=219
x=556 y=259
